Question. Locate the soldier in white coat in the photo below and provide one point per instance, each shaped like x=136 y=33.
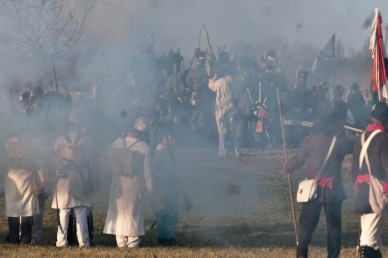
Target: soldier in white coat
x=73 y=153
x=225 y=109
x=131 y=184
x=20 y=187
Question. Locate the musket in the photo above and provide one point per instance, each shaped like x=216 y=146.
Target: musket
x=210 y=62
x=280 y=49
x=55 y=75
x=310 y=124
x=192 y=57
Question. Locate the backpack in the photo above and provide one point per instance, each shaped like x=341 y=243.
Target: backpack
x=18 y=155
x=122 y=160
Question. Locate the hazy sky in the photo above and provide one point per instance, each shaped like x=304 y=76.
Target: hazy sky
x=176 y=23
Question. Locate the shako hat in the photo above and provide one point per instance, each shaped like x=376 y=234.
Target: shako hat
x=380 y=112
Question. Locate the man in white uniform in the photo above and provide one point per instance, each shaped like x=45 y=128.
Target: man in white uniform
x=21 y=198
x=131 y=183
x=73 y=152
x=225 y=109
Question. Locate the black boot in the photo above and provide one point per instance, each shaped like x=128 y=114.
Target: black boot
x=167 y=242
x=90 y=226
x=13 y=227
x=301 y=251
x=26 y=230
x=71 y=231
x=369 y=252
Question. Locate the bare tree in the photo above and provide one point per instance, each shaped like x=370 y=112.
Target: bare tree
x=44 y=28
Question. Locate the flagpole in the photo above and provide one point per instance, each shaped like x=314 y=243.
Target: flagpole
x=288 y=175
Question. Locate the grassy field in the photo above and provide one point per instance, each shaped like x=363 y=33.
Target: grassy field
x=241 y=209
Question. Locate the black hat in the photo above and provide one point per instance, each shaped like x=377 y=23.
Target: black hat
x=199 y=55
x=339 y=90
x=303 y=74
x=355 y=86
x=223 y=58
x=380 y=112
x=328 y=122
x=271 y=53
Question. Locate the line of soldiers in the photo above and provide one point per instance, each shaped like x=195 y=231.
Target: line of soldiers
x=56 y=155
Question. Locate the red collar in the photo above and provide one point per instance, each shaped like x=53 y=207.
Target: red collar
x=374 y=127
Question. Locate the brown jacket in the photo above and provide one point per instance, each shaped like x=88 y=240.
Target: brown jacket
x=313 y=152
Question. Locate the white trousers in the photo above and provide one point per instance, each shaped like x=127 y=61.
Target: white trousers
x=80 y=214
x=371 y=230
x=123 y=241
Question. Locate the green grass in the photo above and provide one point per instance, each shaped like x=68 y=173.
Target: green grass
x=241 y=209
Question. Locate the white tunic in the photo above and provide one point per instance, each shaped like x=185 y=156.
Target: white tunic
x=69 y=192
x=127 y=194
x=20 y=200
x=224 y=105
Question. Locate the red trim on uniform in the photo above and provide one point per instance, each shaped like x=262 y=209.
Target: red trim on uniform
x=362 y=179
x=325 y=181
x=385 y=188
x=132 y=135
x=171 y=140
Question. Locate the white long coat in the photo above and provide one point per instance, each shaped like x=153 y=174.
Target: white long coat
x=127 y=194
x=20 y=200
x=69 y=192
x=224 y=106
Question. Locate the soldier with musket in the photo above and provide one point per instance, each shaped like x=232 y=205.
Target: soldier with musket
x=246 y=96
x=270 y=81
x=200 y=99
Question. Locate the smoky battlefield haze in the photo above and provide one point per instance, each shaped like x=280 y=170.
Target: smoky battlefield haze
x=121 y=28
x=176 y=23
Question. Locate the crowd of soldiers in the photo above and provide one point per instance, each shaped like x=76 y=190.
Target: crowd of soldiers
x=52 y=141
x=246 y=110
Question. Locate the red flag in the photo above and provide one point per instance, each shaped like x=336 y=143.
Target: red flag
x=376 y=46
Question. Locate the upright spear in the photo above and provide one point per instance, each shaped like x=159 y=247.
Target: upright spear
x=288 y=175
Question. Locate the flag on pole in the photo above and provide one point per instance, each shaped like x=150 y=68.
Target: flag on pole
x=327 y=52
x=377 y=48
